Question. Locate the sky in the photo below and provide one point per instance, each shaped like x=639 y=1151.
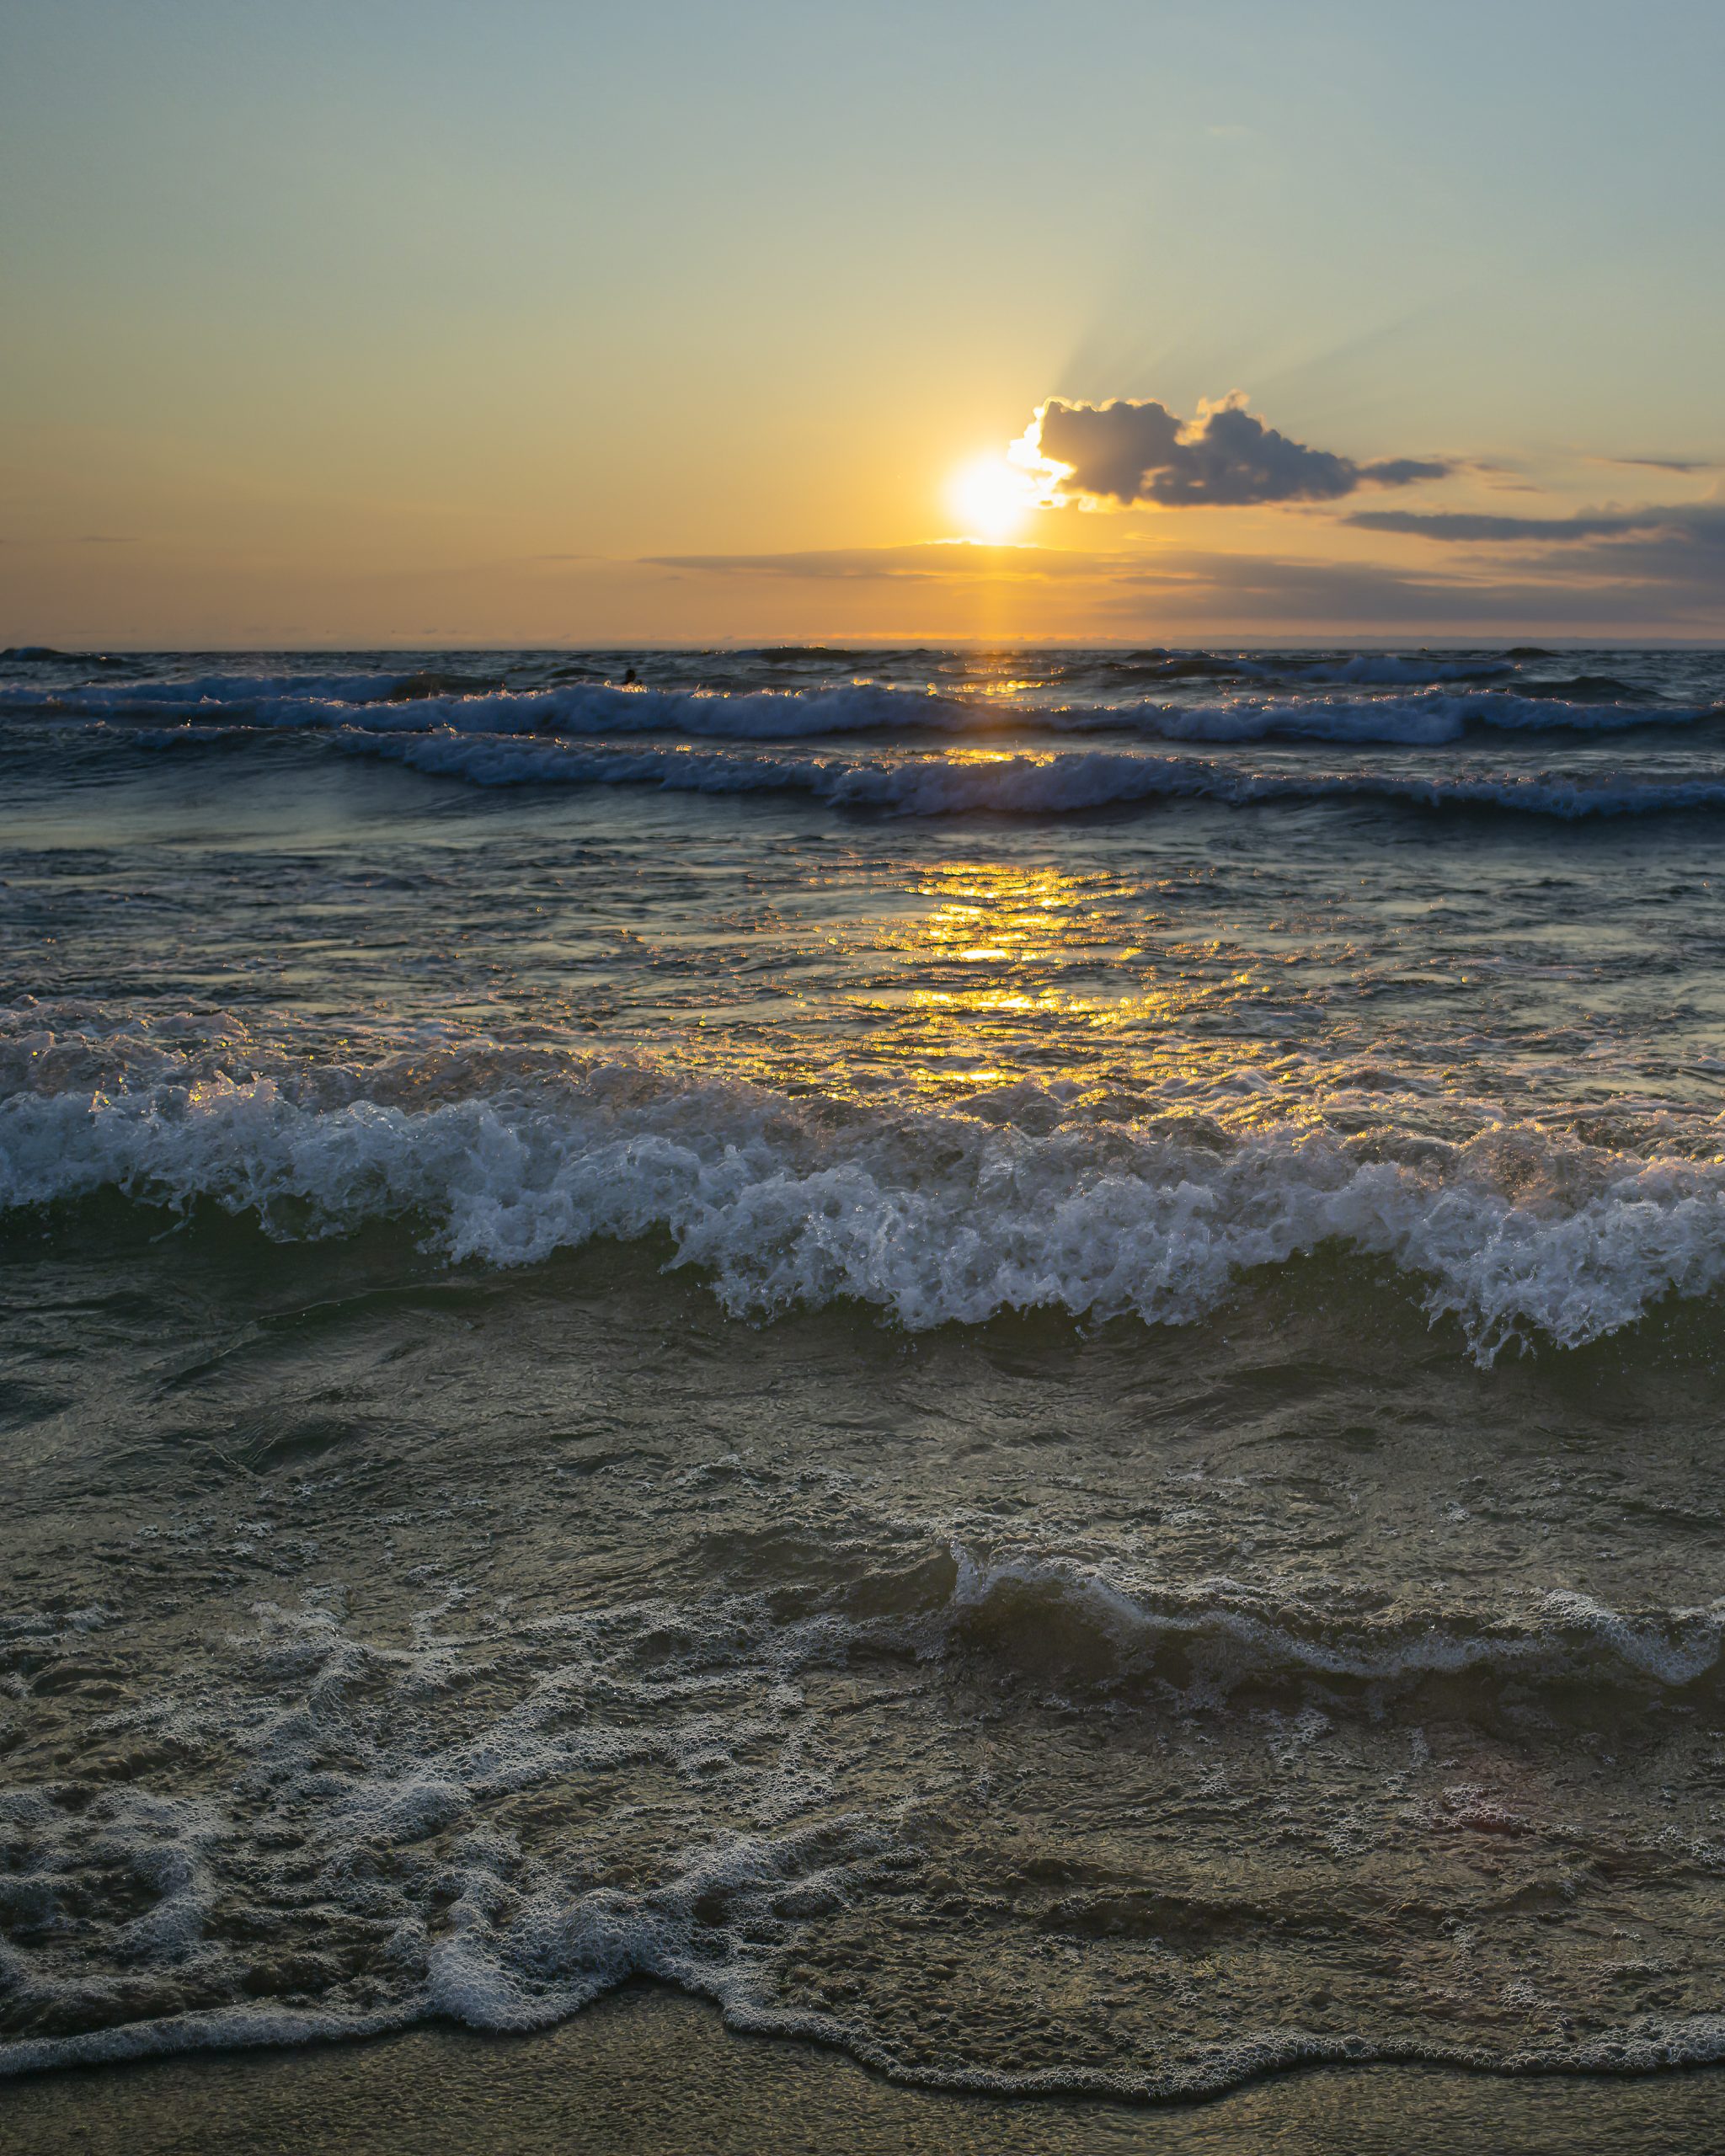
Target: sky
x=330 y=323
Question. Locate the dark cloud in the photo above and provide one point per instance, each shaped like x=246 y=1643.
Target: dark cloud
x=1682 y=552
x=1460 y=525
x=1245 y=589
x=1662 y=569
x=1669 y=583
x=1125 y=452
x=1678 y=546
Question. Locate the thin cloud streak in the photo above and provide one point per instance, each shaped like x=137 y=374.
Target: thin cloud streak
x=933 y=560
x=1661 y=463
x=1682 y=549
x=1466 y=528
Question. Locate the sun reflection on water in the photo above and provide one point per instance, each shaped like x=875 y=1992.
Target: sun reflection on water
x=997 y=970
x=1133 y=987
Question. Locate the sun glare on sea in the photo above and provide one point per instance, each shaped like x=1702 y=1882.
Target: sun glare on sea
x=991 y=498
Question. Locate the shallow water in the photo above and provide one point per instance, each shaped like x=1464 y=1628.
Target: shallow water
x=646 y=2072
x=1010 y=1359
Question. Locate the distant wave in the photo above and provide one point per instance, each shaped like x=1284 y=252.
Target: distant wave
x=236 y=692
x=419 y=703
x=379 y=701
x=1428 y=720
x=1383 y=668
x=1053 y=784
x=933 y=1219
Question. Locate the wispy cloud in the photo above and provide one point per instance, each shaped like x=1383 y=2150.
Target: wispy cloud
x=1661 y=463
x=937 y=561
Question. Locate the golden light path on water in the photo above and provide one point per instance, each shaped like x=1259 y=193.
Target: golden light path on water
x=1145 y=985
x=986 y=972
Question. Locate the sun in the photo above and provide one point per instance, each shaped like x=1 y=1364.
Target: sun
x=991 y=498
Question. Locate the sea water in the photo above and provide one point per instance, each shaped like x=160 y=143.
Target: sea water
x=1009 y=1357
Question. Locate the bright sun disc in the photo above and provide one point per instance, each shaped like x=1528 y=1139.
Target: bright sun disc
x=991 y=498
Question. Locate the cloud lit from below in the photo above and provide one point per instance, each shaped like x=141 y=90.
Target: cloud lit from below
x=1125 y=452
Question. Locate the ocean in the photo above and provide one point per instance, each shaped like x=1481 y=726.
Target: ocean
x=1009 y=1357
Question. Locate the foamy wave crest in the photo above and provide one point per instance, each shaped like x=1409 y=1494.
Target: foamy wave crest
x=1030 y=785
x=932 y=1219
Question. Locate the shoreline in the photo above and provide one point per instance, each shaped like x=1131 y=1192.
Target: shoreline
x=651 y=2072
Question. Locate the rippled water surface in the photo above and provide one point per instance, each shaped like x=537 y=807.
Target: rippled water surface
x=1010 y=1356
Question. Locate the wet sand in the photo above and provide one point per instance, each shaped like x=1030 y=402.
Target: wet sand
x=647 y=2071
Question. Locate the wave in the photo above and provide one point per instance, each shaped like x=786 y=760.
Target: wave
x=931 y=1219
x=565 y=1954
x=401 y=701
x=1021 y=784
x=1365 y=668
x=1388 y=671
x=1217 y=1637
x=237 y=693
x=1428 y=720
x=424 y=702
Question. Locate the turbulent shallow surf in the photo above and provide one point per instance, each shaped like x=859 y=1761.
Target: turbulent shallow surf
x=1012 y=1358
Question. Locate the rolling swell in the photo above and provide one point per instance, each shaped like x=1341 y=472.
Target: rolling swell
x=1430 y=716
x=928 y=740
x=1025 y=785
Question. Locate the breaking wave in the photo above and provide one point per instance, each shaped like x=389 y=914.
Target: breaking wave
x=931 y=1218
